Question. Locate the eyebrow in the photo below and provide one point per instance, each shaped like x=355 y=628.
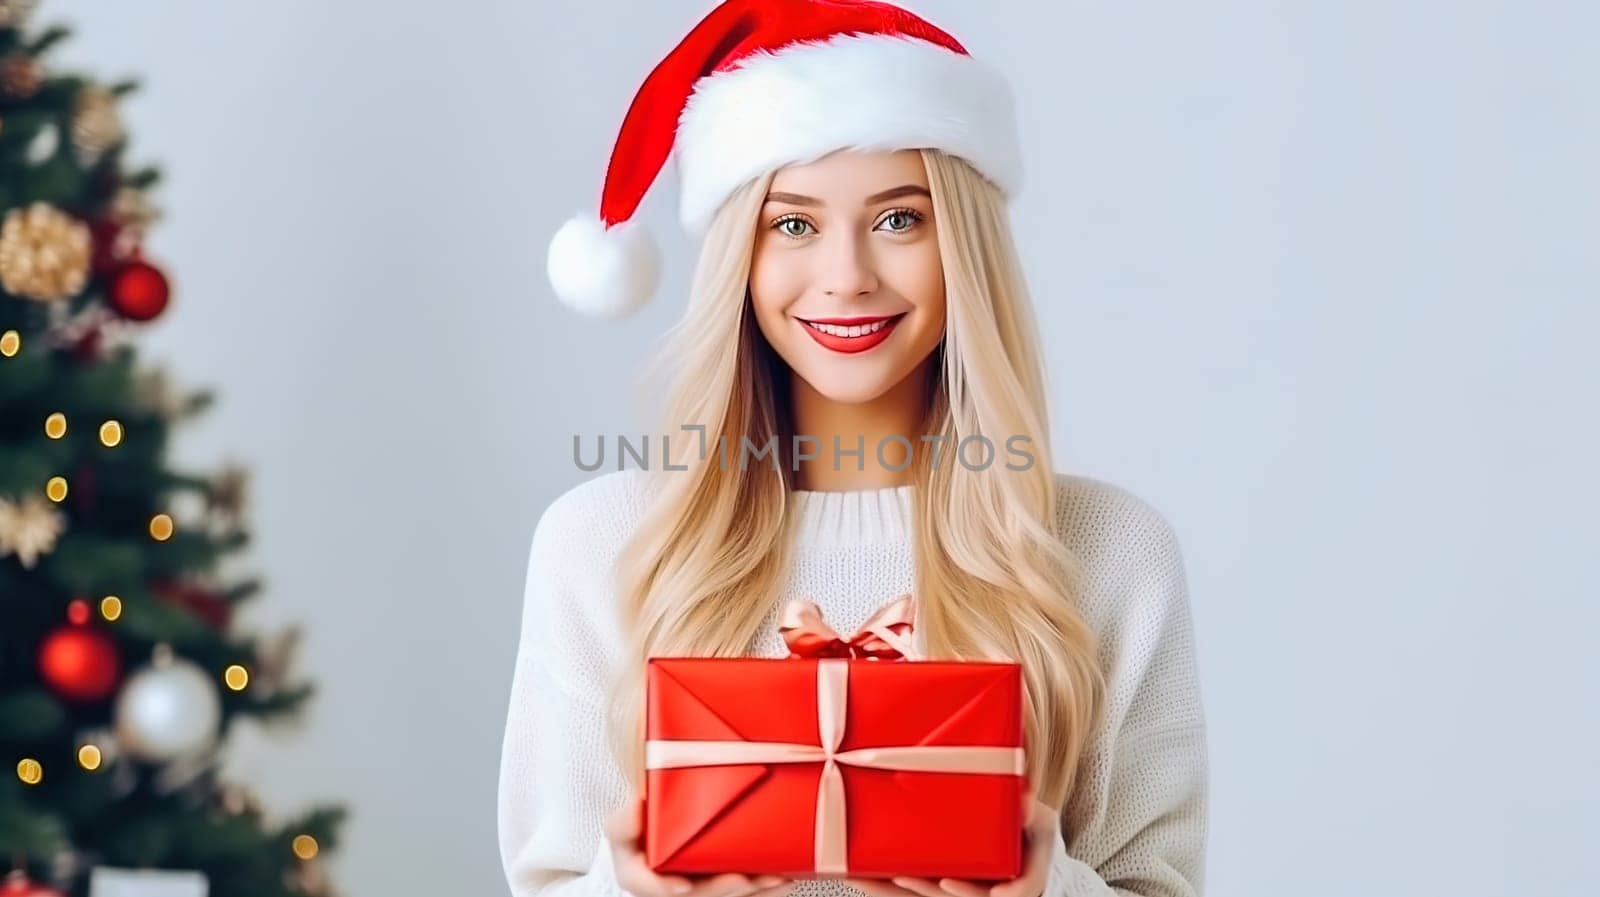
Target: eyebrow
x=796 y=199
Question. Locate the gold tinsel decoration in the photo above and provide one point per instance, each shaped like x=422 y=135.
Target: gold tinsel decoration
x=96 y=126
x=29 y=528
x=20 y=76
x=44 y=253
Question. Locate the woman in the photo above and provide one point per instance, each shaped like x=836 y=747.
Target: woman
x=859 y=310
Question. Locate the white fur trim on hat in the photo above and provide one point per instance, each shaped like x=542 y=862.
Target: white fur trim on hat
x=603 y=272
x=866 y=92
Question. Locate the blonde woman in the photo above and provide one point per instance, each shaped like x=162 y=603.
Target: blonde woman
x=856 y=411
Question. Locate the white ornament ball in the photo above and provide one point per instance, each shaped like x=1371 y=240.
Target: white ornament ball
x=166 y=710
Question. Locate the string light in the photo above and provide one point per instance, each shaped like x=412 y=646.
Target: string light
x=56 y=489
x=305 y=847
x=161 y=527
x=30 y=771
x=111 y=433
x=55 y=426
x=237 y=677
x=77 y=611
x=10 y=343
x=110 y=607
x=89 y=757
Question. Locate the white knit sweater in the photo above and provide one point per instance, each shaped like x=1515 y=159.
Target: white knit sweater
x=1136 y=824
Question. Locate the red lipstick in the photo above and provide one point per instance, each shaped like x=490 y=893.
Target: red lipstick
x=850 y=322
x=849 y=345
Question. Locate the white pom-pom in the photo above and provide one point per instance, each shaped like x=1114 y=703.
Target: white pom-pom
x=601 y=272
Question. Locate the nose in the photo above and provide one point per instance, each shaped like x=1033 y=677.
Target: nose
x=847 y=269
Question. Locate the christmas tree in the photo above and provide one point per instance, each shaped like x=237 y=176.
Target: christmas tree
x=120 y=670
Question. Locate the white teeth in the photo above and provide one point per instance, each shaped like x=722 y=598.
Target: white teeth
x=862 y=330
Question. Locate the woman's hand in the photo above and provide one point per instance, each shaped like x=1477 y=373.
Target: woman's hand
x=1041 y=830
x=623 y=828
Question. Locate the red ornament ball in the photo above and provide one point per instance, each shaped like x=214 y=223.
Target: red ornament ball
x=139 y=290
x=79 y=663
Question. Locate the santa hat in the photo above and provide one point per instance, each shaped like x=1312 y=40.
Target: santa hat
x=760 y=84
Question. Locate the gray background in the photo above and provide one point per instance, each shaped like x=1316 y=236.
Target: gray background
x=1318 y=280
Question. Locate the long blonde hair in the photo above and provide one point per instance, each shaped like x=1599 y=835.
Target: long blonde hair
x=993 y=578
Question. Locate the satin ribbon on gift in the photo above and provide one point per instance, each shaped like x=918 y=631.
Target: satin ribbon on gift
x=885 y=636
x=833 y=688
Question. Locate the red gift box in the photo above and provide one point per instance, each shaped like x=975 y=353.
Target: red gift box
x=827 y=767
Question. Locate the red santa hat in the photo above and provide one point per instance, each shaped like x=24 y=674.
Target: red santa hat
x=760 y=84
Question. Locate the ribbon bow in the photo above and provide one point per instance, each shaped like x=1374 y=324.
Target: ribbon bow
x=885 y=636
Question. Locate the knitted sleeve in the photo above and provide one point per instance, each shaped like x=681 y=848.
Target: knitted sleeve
x=1136 y=823
x=556 y=785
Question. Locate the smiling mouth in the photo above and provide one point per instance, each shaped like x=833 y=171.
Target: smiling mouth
x=851 y=328
x=851 y=335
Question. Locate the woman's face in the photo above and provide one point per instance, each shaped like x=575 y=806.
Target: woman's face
x=845 y=281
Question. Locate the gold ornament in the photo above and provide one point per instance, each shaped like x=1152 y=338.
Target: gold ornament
x=15 y=12
x=44 y=253
x=29 y=528
x=20 y=76
x=96 y=126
